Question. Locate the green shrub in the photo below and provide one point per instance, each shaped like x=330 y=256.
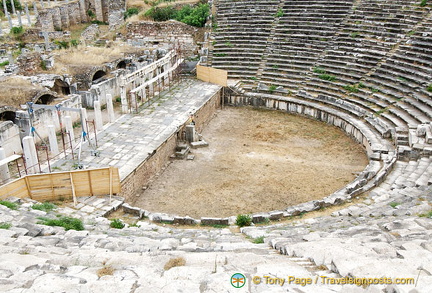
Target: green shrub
x=429 y=88
x=66 y=222
x=117 y=224
x=43 y=65
x=279 y=13
x=46 y=206
x=195 y=16
x=423 y=3
x=11 y=205
x=243 y=220
x=131 y=11
x=90 y=13
x=74 y=43
x=272 y=88
x=3 y=64
x=17 y=5
x=16 y=30
x=5 y=226
x=62 y=44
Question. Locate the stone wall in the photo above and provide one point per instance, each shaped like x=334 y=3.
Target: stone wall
x=29 y=63
x=60 y=17
x=10 y=138
x=169 y=33
x=145 y=172
x=63 y=16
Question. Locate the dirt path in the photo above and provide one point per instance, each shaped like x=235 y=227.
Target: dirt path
x=258 y=160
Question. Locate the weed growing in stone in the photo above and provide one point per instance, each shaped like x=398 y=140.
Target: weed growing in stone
x=66 y=222
x=272 y=88
x=429 y=88
x=11 y=205
x=3 y=64
x=134 y=225
x=175 y=262
x=243 y=220
x=258 y=240
x=5 y=225
x=327 y=77
x=117 y=224
x=46 y=206
x=106 y=270
x=426 y=215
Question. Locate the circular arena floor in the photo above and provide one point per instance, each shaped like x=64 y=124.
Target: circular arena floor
x=257 y=161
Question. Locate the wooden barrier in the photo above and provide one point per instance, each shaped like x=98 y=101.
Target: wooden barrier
x=64 y=185
x=213 y=75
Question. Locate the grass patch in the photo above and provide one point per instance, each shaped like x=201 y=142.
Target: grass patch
x=429 y=88
x=117 y=224
x=243 y=220
x=426 y=215
x=423 y=3
x=11 y=205
x=3 y=64
x=174 y=262
x=229 y=44
x=5 y=226
x=66 y=222
x=394 y=204
x=319 y=70
x=351 y=88
x=327 y=77
x=258 y=240
x=46 y=206
x=17 y=30
x=355 y=35
x=219 y=54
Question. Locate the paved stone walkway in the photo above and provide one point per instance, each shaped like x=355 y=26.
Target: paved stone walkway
x=128 y=141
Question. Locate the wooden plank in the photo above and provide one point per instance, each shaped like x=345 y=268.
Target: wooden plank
x=16 y=188
x=66 y=185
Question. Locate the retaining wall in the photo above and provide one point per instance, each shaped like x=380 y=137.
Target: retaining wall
x=145 y=172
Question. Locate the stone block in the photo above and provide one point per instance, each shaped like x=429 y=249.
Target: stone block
x=184 y=221
x=214 y=221
x=259 y=218
x=276 y=215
